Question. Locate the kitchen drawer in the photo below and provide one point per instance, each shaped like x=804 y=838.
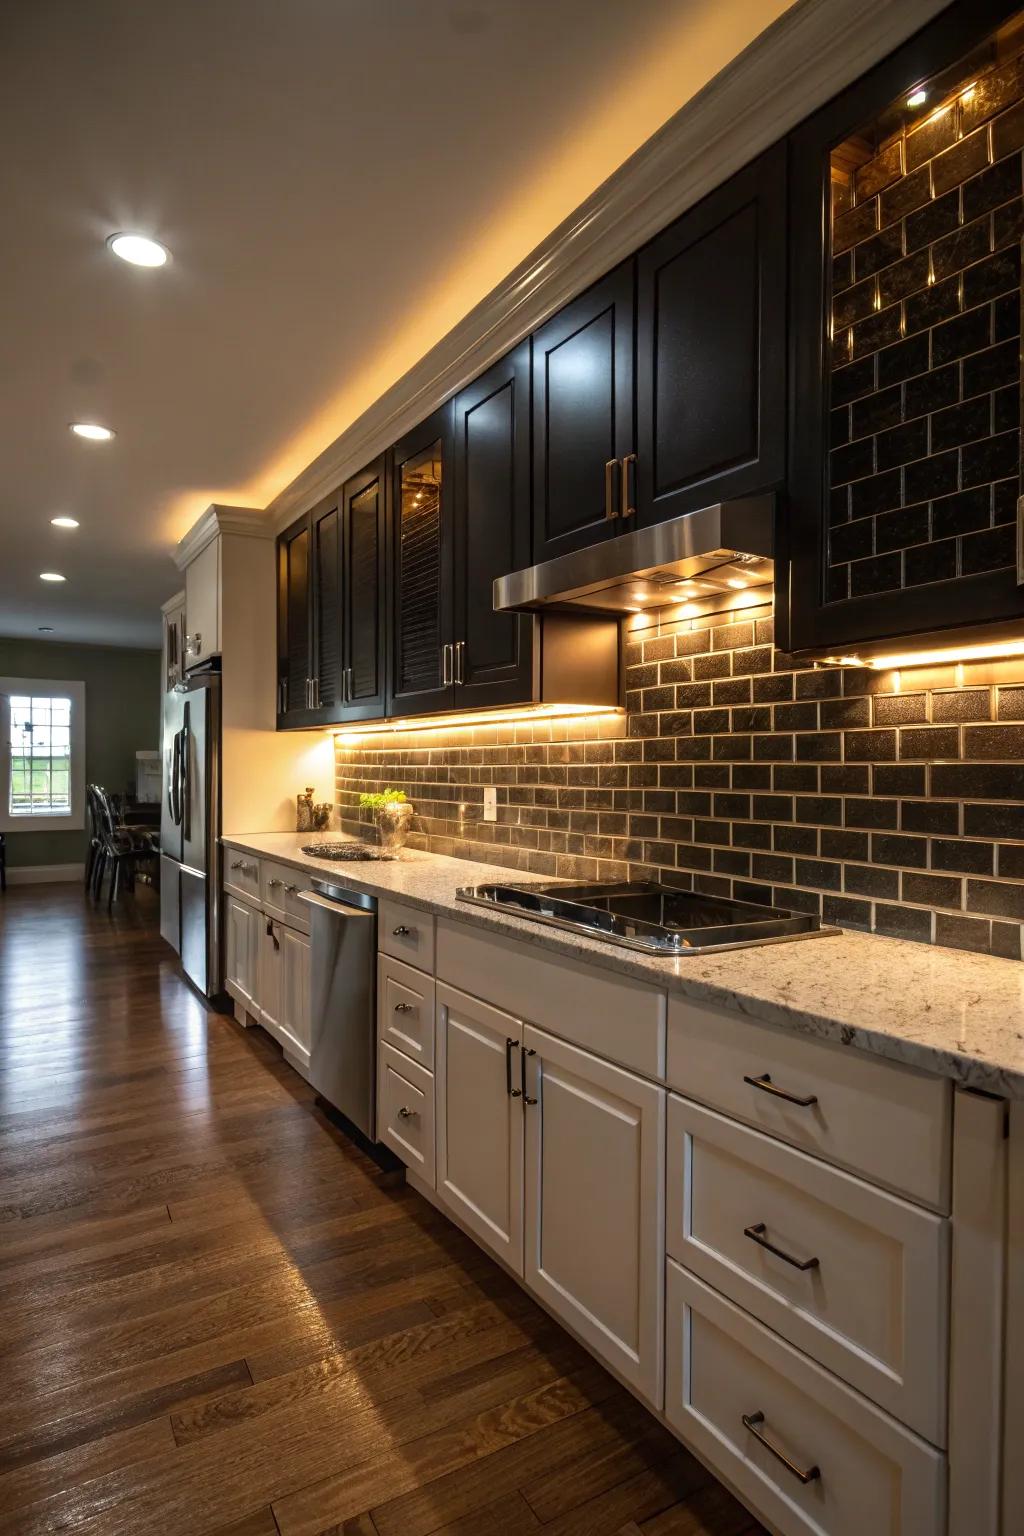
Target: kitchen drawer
x=874 y=1308
x=872 y=1475
x=281 y=888
x=888 y=1122
x=609 y=1014
x=242 y=874
x=407 y=934
x=405 y=1009
x=405 y=1111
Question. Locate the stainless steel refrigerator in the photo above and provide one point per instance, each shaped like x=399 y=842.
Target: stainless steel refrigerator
x=190 y=828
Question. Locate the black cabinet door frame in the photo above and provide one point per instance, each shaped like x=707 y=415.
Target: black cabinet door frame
x=804 y=620
x=491 y=533
x=294 y=625
x=711 y=347
x=364 y=596
x=325 y=610
x=582 y=415
x=432 y=609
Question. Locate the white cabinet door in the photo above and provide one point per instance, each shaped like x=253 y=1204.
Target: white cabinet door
x=242 y=951
x=480 y=1121
x=202 y=605
x=268 y=970
x=594 y=1204
x=295 y=994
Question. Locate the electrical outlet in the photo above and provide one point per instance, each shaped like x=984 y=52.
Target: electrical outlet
x=490 y=803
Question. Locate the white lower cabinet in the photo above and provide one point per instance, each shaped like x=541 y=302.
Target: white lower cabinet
x=405 y=1110
x=294 y=1014
x=810 y=1455
x=478 y=1066
x=242 y=948
x=269 y=972
x=854 y=1276
x=594 y=1211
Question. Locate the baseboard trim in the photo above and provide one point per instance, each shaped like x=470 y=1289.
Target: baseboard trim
x=44 y=874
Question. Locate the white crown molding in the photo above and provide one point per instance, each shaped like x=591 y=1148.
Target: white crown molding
x=248 y=521
x=807 y=56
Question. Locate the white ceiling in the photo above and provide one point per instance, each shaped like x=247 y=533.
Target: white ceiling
x=339 y=181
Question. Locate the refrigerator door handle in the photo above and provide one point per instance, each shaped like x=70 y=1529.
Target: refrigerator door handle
x=185 y=807
x=175 y=787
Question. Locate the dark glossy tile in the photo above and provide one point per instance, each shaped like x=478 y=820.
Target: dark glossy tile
x=961 y=161
x=993 y=550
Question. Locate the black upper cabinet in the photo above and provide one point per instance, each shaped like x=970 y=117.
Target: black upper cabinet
x=294 y=654
x=711 y=311
x=325 y=609
x=363 y=589
x=422 y=664
x=582 y=415
x=491 y=525
x=905 y=340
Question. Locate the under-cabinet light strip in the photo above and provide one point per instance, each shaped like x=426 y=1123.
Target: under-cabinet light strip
x=536 y=714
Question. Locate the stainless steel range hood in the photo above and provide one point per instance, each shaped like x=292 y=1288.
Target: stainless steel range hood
x=719 y=548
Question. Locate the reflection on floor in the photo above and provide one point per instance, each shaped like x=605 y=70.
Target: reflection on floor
x=219 y=1317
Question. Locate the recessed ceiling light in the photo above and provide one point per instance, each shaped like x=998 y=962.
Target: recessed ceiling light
x=92 y=430
x=917 y=98
x=51 y=576
x=140 y=250
x=64 y=522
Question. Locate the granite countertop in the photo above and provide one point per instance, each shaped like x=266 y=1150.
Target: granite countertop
x=946 y=1010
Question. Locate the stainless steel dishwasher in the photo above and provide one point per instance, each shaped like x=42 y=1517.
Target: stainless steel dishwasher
x=343 y=1001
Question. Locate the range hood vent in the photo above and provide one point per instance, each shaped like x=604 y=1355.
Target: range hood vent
x=724 y=547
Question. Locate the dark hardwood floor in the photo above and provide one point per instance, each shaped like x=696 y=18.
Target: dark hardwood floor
x=218 y=1316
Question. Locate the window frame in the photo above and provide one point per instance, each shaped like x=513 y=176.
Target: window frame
x=44 y=688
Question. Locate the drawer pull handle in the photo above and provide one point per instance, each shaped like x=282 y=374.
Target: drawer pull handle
x=402 y=932
x=527 y=1051
x=272 y=883
x=290 y=890
x=407 y=1114
x=756 y=1235
x=751 y=1421
x=405 y=1008
x=510 y=1046
x=237 y=864
x=766 y=1085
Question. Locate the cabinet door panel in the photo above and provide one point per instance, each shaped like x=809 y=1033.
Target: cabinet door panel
x=421 y=570
x=710 y=348
x=241 y=958
x=479 y=1124
x=582 y=413
x=594 y=1204
x=326 y=608
x=268 y=936
x=294 y=578
x=492 y=532
x=295 y=993
x=364 y=574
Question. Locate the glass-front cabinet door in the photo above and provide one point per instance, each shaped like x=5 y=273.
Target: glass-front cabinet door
x=422 y=652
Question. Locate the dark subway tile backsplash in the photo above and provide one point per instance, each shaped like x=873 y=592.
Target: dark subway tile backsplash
x=872 y=801
x=926 y=351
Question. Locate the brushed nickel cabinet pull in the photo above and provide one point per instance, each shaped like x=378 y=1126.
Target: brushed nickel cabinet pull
x=446 y=665
x=1020 y=541
x=610 y=509
x=460 y=661
x=404 y=1008
x=764 y=1082
x=756 y=1235
x=627 y=508
x=751 y=1421
x=510 y=1046
x=407 y=1114
x=290 y=890
x=272 y=883
x=402 y=932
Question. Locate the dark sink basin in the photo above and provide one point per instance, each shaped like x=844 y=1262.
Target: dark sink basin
x=348 y=853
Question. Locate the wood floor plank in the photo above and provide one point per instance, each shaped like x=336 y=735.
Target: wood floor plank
x=219 y=1317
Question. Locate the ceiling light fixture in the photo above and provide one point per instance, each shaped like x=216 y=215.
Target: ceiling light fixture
x=64 y=522
x=51 y=576
x=45 y=629
x=139 y=250
x=92 y=430
x=917 y=98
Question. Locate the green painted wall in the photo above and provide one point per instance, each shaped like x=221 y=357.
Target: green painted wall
x=122 y=717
